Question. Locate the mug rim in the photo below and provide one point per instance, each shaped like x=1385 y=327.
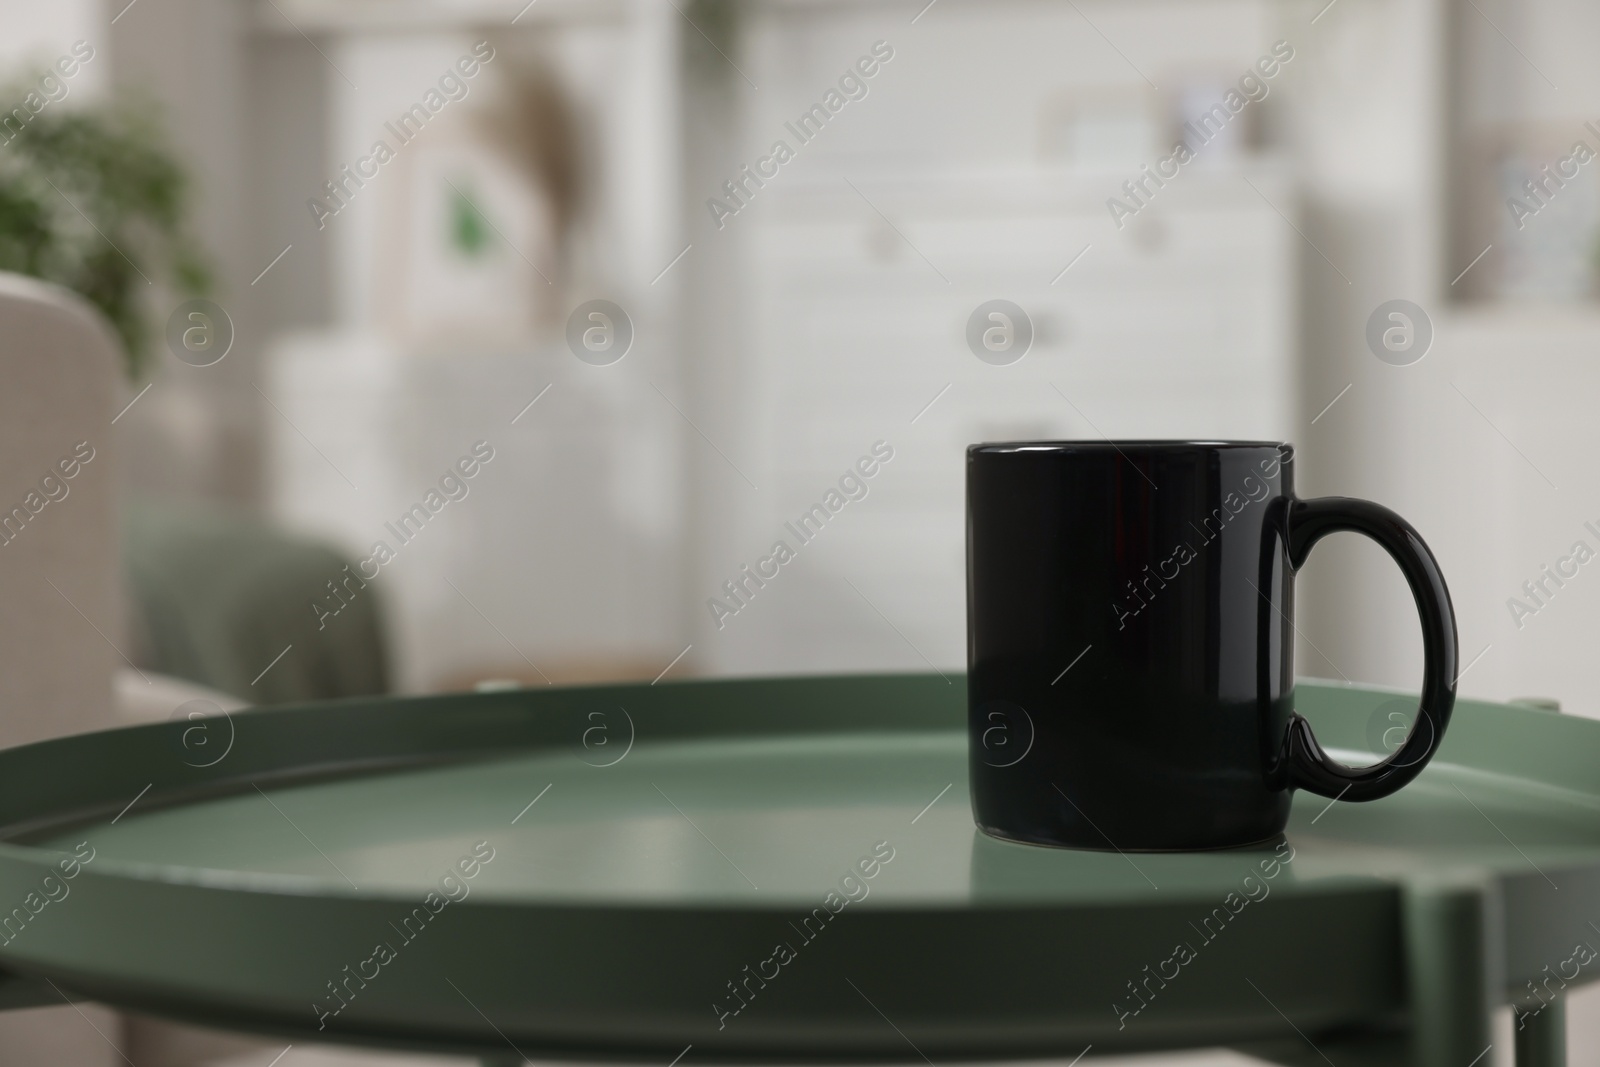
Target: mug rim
x=1143 y=446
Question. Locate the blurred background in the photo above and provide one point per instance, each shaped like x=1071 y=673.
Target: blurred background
x=379 y=330
x=319 y=337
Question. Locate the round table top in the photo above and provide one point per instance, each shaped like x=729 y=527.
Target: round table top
x=776 y=868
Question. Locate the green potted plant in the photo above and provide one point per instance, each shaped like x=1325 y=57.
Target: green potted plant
x=93 y=199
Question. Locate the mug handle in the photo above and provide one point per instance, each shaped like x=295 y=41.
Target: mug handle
x=1308 y=766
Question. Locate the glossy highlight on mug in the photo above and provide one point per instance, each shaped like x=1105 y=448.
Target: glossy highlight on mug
x=1252 y=490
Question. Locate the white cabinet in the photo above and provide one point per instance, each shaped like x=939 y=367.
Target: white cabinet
x=559 y=560
x=1183 y=328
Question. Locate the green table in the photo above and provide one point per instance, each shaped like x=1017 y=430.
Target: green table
x=778 y=869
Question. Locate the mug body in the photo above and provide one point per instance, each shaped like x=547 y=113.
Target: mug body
x=1129 y=642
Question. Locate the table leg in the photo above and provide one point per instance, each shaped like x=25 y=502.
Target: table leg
x=1542 y=1035
x=1446 y=930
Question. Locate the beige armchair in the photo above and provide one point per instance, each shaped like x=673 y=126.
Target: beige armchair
x=61 y=615
x=64 y=656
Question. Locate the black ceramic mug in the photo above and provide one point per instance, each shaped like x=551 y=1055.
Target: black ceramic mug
x=1130 y=643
